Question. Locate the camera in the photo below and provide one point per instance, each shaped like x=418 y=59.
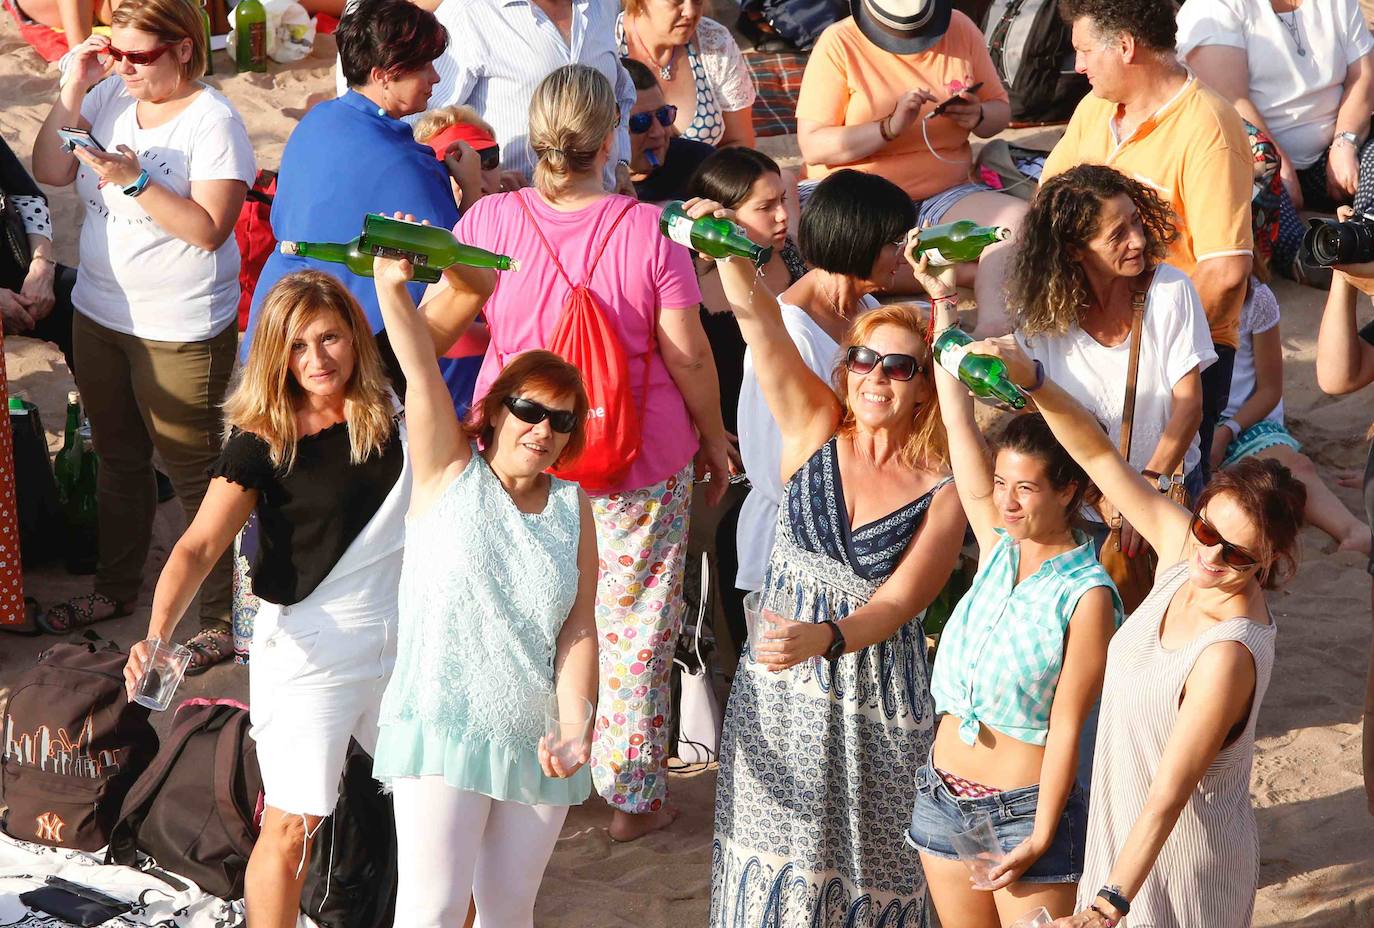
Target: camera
x=1329 y=242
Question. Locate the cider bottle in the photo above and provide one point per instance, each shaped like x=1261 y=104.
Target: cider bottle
x=716 y=238
x=425 y=246
x=250 y=36
x=985 y=376
x=957 y=242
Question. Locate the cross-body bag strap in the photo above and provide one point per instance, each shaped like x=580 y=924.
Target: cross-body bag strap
x=1138 y=300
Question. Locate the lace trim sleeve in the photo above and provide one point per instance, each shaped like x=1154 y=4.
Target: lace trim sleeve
x=725 y=66
x=1261 y=311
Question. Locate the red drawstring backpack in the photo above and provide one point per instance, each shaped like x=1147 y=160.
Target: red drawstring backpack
x=586 y=339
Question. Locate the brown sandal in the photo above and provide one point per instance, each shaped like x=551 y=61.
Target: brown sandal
x=209 y=646
x=78 y=612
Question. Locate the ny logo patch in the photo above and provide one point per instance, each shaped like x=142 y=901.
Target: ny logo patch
x=50 y=827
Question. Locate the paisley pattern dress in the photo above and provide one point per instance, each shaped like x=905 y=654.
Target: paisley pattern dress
x=817 y=762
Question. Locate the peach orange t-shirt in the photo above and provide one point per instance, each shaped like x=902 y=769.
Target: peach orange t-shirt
x=850 y=81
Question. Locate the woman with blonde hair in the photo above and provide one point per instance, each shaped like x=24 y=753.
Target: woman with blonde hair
x=832 y=710
x=569 y=231
x=315 y=444
x=157 y=290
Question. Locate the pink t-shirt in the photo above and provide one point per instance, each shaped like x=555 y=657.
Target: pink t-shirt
x=640 y=273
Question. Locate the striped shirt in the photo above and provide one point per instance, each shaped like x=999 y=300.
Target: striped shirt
x=1208 y=868
x=1002 y=651
x=499 y=51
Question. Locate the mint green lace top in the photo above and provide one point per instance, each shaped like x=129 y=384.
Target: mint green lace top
x=485 y=589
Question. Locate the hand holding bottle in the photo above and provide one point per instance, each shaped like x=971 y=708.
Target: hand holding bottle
x=937 y=286
x=1020 y=367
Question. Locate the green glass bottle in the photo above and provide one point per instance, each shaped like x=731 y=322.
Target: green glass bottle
x=250 y=35
x=77 y=471
x=209 y=52
x=717 y=238
x=958 y=242
x=352 y=257
x=425 y=246
x=985 y=376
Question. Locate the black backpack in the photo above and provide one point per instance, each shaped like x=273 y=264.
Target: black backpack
x=1032 y=49
x=42 y=529
x=800 y=22
x=74 y=745
x=351 y=880
x=198 y=808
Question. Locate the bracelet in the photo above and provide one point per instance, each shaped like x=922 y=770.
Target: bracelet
x=1039 y=378
x=1234 y=426
x=1111 y=922
x=883 y=128
x=951 y=297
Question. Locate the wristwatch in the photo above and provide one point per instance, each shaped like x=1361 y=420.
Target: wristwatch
x=836 y=649
x=1113 y=896
x=138 y=186
x=1162 y=481
x=1350 y=137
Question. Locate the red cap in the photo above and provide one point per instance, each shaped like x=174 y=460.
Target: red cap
x=460 y=132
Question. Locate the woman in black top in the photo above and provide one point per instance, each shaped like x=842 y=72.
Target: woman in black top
x=316 y=446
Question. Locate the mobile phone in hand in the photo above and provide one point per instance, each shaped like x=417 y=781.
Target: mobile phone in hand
x=944 y=104
x=75 y=138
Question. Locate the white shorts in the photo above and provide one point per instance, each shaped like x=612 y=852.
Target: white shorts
x=316 y=674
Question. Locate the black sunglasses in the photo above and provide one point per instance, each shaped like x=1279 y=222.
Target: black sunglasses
x=1231 y=555
x=490 y=158
x=861 y=360
x=640 y=122
x=560 y=420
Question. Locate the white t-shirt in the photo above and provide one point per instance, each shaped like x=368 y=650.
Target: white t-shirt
x=1298 y=95
x=1174 y=341
x=760 y=444
x=1260 y=314
x=135 y=277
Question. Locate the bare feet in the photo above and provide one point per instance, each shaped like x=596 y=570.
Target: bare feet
x=628 y=827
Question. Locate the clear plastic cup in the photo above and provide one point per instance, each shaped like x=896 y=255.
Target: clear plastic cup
x=162 y=674
x=979 y=849
x=757 y=619
x=568 y=728
x=1038 y=917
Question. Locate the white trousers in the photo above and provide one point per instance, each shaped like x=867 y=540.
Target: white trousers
x=453 y=845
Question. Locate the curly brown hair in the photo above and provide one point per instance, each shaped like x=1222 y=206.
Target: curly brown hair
x=1047 y=285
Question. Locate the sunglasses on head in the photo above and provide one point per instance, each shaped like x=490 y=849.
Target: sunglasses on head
x=861 y=360
x=1231 y=555
x=148 y=56
x=640 y=122
x=560 y=420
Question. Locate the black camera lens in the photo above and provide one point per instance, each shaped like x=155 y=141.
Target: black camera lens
x=1328 y=242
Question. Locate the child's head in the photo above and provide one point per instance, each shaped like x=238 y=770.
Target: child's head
x=442 y=127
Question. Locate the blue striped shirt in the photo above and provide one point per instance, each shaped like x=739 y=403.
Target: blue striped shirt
x=499 y=51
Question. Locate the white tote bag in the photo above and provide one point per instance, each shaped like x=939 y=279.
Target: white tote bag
x=699 y=716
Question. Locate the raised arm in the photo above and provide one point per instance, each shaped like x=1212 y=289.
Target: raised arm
x=52 y=163
x=1163 y=522
x=439 y=450
x=968 y=451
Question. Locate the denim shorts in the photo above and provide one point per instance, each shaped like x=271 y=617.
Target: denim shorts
x=939 y=814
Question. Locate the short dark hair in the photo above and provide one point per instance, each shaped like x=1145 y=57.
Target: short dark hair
x=1275 y=501
x=1030 y=435
x=851 y=216
x=1152 y=23
x=639 y=72
x=394 y=35
x=728 y=175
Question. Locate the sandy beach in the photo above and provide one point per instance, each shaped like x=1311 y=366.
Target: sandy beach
x=1317 y=840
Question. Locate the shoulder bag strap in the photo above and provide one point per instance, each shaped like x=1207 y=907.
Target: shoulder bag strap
x=1138 y=300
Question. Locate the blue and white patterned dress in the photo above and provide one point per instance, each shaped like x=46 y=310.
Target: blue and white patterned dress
x=817 y=766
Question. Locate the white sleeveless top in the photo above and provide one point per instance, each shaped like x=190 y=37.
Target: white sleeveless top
x=1208 y=869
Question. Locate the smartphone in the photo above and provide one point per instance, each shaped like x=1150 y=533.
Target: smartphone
x=78 y=137
x=944 y=104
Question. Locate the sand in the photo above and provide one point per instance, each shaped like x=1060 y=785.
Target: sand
x=1317 y=861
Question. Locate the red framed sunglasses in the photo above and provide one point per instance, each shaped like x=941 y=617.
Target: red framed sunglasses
x=1231 y=555
x=147 y=56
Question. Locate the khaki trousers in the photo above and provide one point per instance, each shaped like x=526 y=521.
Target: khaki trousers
x=143 y=395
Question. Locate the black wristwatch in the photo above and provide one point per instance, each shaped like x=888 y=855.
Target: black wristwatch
x=836 y=649
x=1112 y=895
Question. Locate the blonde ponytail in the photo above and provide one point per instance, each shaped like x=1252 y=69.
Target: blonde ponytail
x=571 y=113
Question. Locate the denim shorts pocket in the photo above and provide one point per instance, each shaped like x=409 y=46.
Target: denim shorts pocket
x=1022 y=807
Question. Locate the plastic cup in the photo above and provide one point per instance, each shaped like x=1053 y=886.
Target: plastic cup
x=979 y=849
x=757 y=619
x=162 y=674
x=568 y=728
x=1038 y=917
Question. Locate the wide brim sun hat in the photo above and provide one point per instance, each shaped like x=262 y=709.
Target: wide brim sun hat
x=903 y=27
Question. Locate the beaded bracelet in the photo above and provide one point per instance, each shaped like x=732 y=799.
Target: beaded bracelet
x=883 y=128
x=1111 y=923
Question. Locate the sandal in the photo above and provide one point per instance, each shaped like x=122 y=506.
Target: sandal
x=209 y=646
x=78 y=612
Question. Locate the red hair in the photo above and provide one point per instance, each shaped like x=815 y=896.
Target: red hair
x=534 y=371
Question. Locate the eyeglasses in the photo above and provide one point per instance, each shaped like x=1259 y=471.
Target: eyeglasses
x=490 y=158
x=861 y=360
x=1231 y=555
x=144 y=57
x=560 y=420
x=640 y=122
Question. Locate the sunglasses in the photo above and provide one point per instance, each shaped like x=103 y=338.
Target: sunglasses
x=640 y=122
x=861 y=360
x=143 y=57
x=490 y=158
x=560 y=420
x=1231 y=555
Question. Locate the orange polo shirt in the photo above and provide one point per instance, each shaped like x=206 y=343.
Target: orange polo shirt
x=850 y=81
x=1195 y=154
